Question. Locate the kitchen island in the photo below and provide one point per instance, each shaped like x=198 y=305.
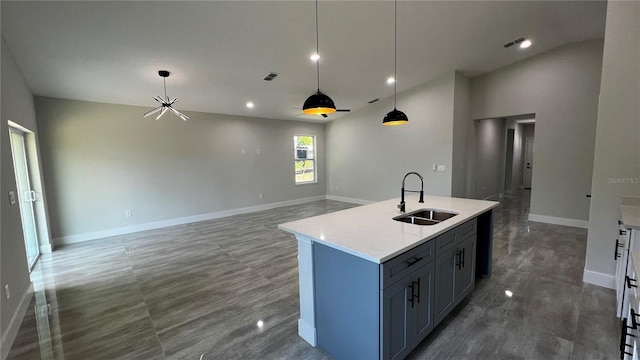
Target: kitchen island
x=372 y=287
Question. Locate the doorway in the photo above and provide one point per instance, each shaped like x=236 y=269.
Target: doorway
x=528 y=162
x=26 y=195
x=508 y=167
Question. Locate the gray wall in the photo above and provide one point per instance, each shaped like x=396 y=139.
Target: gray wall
x=617 y=145
x=102 y=159
x=490 y=157
x=366 y=160
x=561 y=87
x=17 y=106
x=461 y=101
x=517 y=166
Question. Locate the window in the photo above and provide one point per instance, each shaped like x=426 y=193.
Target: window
x=304 y=154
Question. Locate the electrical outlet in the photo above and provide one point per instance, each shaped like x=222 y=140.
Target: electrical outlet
x=12 y=197
x=258 y=151
x=243 y=152
x=7 y=294
x=261 y=196
x=128 y=213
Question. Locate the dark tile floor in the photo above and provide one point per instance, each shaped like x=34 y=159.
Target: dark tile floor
x=227 y=289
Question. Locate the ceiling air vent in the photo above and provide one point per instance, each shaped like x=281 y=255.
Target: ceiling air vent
x=511 y=43
x=270 y=76
x=372 y=101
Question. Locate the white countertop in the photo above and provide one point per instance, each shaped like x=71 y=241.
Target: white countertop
x=370 y=232
x=630 y=212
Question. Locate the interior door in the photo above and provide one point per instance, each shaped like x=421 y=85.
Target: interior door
x=528 y=163
x=26 y=195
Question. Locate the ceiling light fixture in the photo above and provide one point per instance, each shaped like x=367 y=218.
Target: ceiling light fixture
x=250 y=105
x=315 y=57
x=525 y=44
x=391 y=80
x=165 y=103
x=395 y=116
x=318 y=103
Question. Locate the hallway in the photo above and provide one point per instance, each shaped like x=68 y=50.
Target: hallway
x=227 y=289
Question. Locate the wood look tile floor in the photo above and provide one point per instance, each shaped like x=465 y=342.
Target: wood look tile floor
x=198 y=291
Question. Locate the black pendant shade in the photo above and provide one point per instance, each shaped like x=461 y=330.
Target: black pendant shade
x=395 y=117
x=318 y=104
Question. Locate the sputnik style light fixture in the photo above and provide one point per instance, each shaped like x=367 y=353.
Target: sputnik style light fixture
x=395 y=116
x=165 y=103
x=318 y=103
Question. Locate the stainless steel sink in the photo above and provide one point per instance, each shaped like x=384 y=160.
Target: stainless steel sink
x=425 y=217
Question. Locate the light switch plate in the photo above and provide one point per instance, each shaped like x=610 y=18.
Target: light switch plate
x=441 y=168
x=12 y=197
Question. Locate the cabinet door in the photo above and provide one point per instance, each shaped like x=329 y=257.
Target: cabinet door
x=396 y=318
x=466 y=268
x=444 y=285
x=423 y=283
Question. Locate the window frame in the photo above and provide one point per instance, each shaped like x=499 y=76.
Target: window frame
x=297 y=158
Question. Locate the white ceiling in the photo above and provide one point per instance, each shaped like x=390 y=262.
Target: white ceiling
x=218 y=51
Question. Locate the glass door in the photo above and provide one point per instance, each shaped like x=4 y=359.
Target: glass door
x=26 y=195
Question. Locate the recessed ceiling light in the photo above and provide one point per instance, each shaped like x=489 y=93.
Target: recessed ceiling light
x=250 y=105
x=391 y=80
x=315 y=57
x=509 y=293
x=525 y=44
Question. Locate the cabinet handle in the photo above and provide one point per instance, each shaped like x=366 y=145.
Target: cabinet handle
x=415 y=260
x=634 y=322
x=460 y=259
x=410 y=299
x=629 y=280
x=616 y=254
x=623 y=232
x=623 y=338
x=416 y=283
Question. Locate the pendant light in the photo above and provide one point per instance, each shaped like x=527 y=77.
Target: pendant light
x=165 y=103
x=395 y=116
x=318 y=103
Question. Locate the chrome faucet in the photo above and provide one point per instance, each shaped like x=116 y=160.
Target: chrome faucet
x=402 y=203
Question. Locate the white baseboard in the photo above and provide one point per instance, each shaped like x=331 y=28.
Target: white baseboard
x=307 y=332
x=492 y=197
x=70 y=239
x=600 y=279
x=46 y=249
x=14 y=324
x=349 y=200
x=559 y=221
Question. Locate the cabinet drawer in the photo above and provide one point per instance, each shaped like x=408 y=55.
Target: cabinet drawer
x=449 y=239
x=402 y=265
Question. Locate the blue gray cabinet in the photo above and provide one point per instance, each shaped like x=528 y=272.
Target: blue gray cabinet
x=455 y=270
x=365 y=310
x=406 y=312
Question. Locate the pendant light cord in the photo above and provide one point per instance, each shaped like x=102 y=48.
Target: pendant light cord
x=317 y=49
x=395 y=53
x=164 y=80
